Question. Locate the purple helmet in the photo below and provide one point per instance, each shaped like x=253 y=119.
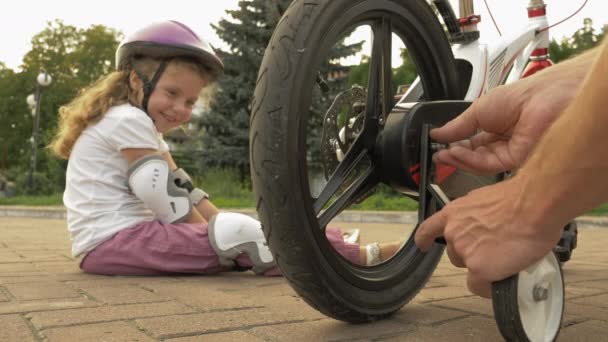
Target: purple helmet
x=165 y=40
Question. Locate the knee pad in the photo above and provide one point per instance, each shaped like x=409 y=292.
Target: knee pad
x=152 y=182
x=233 y=234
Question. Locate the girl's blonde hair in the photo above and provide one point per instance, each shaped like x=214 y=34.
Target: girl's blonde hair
x=93 y=102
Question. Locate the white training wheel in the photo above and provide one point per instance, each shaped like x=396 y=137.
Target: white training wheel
x=529 y=306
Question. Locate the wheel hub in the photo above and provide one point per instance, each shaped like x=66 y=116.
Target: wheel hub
x=540 y=300
x=397 y=149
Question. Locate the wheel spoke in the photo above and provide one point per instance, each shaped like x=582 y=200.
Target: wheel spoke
x=379 y=103
x=353 y=158
x=365 y=183
x=387 y=68
x=380 y=92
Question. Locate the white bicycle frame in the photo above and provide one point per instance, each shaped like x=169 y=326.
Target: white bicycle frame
x=504 y=61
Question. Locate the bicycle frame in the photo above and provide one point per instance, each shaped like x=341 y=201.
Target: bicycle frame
x=510 y=58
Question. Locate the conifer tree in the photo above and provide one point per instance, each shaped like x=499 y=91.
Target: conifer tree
x=225 y=124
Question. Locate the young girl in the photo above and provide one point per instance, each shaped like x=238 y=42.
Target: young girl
x=131 y=210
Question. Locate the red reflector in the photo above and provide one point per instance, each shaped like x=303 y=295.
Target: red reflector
x=443 y=172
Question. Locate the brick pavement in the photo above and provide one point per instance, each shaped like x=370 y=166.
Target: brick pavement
x=44 y=296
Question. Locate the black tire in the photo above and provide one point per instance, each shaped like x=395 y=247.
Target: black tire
x=318 y=274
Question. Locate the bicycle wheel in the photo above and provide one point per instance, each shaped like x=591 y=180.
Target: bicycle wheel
x=295 y=214
x=529 y=306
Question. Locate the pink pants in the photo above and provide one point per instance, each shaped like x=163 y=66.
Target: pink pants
x=154 y=248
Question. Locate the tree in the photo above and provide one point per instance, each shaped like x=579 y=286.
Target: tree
x=359 y=73
x=583 y=39
x=225 y=125
x=403 y=75
x=560 y=51
x=94 y=54
x=74 y=58
x=16 y=128
x=406 y=73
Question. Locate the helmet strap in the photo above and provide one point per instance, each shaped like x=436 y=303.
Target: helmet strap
x=148 y=86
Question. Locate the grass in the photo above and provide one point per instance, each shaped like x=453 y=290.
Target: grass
x=602 y=210
x=224 y=189
x=240 y=199
x=244 y=199
x=55 y=199
x=227 y=192
x=381 y=202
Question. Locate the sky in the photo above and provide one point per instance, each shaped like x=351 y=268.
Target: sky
x=28 y=17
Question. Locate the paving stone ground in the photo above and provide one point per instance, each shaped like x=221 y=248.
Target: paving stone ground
x=45 y=297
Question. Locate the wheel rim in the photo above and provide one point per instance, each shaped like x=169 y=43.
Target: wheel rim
x=383 y=24
x=540 y=299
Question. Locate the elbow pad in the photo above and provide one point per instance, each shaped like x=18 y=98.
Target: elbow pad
x=151 y=181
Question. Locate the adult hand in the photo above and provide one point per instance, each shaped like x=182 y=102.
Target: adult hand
x=500 y=129
x=499 y=230
x=494 y=231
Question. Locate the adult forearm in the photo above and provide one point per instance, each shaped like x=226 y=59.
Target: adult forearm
x=562 y=80
x=578 y=65
x=565 y=175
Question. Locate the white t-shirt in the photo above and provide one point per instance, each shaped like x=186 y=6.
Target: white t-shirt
x=99 y=203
